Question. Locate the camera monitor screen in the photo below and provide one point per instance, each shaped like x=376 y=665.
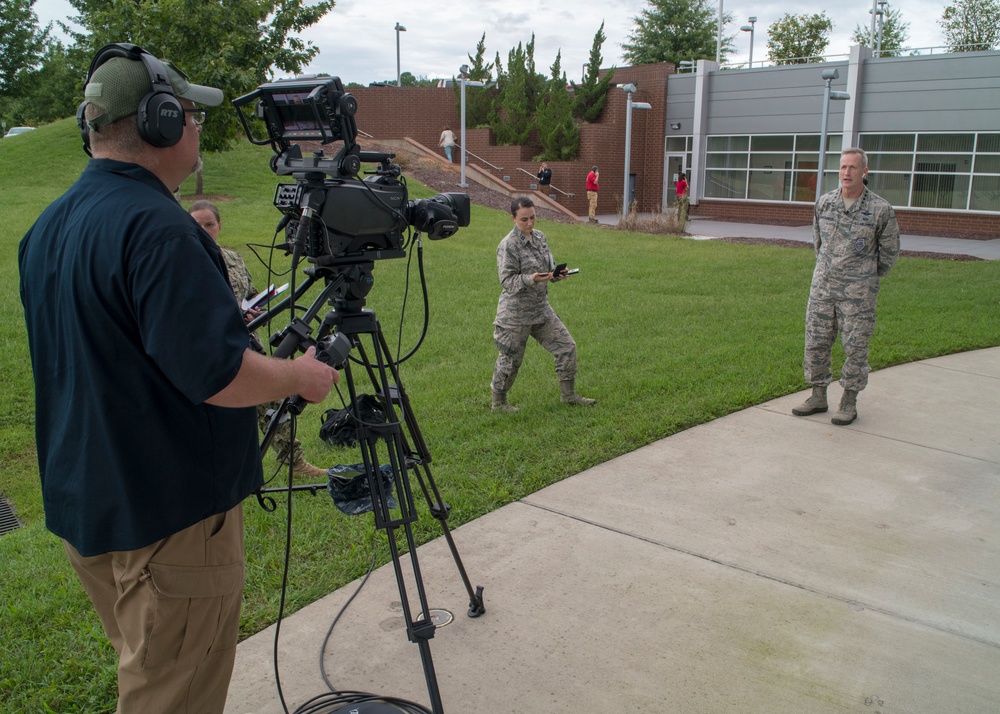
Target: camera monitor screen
x=298 y=117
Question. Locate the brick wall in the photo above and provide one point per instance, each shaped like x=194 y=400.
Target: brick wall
x=421 y=113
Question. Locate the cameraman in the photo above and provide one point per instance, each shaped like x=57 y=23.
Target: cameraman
x=144 y=388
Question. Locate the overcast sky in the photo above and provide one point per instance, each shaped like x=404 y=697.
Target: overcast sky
x=357 y=40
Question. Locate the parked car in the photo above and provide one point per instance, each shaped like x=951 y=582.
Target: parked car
x=14 y=131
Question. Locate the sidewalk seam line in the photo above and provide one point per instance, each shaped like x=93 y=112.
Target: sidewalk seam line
x=799 y=586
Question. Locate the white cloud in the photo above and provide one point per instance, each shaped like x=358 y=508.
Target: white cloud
x=358 y=43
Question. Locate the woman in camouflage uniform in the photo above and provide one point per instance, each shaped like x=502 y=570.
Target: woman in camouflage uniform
x=525 y=266
x=206 y=214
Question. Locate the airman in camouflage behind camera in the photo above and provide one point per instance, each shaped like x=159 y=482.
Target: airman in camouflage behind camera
x=857 y=242
x=526 y=267
x=286 y=450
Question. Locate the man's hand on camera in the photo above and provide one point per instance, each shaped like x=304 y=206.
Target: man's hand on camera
x=317 y=379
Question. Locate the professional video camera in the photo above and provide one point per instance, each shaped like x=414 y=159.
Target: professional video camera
x=359 y=220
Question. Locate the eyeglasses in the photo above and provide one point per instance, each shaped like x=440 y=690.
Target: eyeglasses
x=197 y=115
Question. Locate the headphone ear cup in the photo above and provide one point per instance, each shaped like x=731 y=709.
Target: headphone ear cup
x=81 y=122
x=160 y=119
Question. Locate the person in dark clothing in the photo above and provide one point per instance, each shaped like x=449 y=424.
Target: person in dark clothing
x=145 y=386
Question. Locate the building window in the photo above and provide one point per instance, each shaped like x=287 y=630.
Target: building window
x=769 y=167
x=959 y=171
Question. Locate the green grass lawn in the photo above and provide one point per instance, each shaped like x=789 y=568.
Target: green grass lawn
x=671 y=333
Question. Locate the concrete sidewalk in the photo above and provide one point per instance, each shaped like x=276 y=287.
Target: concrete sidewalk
x=758 y=563
x=707 y=229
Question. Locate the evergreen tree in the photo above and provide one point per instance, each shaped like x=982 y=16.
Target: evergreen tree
x=557 y=132
x=478 y=100
x=511 y=119
x=676 y=30
x=590 y=95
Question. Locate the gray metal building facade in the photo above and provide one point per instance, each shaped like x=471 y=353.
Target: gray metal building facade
x=930 y=124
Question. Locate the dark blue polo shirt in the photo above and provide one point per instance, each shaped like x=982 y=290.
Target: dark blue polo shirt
x=132 y=326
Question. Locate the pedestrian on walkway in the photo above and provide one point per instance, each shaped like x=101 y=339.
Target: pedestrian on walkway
x=681 y=188
x=544 y=175
x=592 y=187
x=857 y=242
x=526 y=268
x=447 y=141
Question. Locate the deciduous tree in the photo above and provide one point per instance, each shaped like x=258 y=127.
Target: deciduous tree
x=22 y=43
x=234 y=45
x=971 y=25
x=676 y=30
x=895 y=33
x=799 y=39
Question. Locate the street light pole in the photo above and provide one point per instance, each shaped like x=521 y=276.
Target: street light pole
x=749 y=28
x=463 y=78
x=829 y=75
x=399 y=28
x=629 y=106
x=718 y=42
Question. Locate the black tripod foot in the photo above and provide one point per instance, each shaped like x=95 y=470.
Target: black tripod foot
x=476 y=605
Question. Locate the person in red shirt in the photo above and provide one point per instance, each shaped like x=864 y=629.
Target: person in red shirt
x=682 y=198
x=592 y=178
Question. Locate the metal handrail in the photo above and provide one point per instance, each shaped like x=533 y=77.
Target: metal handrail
x=480 y=158
x=554 y=188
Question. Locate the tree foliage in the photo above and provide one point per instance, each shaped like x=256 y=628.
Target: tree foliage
x=557 y=132
x=895 y=33
x=971 y=25
x=511 y=117
x=478 y=100
x=676 y=30
x=48 y=93
x=799 y=39
x=22 y=43
x=592 y=92
x=232 y=45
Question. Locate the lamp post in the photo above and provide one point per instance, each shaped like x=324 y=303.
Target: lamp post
x=463 y=78
x=399 y=28
x=718 y=42
x=629 y=90
x=829 y=75
x=749 y=28
x=881 y=23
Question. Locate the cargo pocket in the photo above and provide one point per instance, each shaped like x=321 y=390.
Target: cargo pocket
x=194 y=611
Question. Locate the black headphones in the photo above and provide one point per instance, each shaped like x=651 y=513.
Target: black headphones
x=159 y=116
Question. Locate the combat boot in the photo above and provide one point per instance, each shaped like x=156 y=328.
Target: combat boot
x=500 y=403
x=815 y=404
x=848 y=411
x=569 y=396
x=302 y=467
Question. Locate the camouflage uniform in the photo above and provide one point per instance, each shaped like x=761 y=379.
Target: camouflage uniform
x=243 y=288
x=524 y=311
x=854 y=247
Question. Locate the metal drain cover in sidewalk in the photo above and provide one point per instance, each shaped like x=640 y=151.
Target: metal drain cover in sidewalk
x=8 y=519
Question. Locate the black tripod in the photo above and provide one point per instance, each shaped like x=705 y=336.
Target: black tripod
x=396 y=442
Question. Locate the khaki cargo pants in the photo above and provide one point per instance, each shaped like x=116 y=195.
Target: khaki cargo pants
x=172 y=612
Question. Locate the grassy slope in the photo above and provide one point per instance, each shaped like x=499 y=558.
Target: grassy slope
x=671 y=333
